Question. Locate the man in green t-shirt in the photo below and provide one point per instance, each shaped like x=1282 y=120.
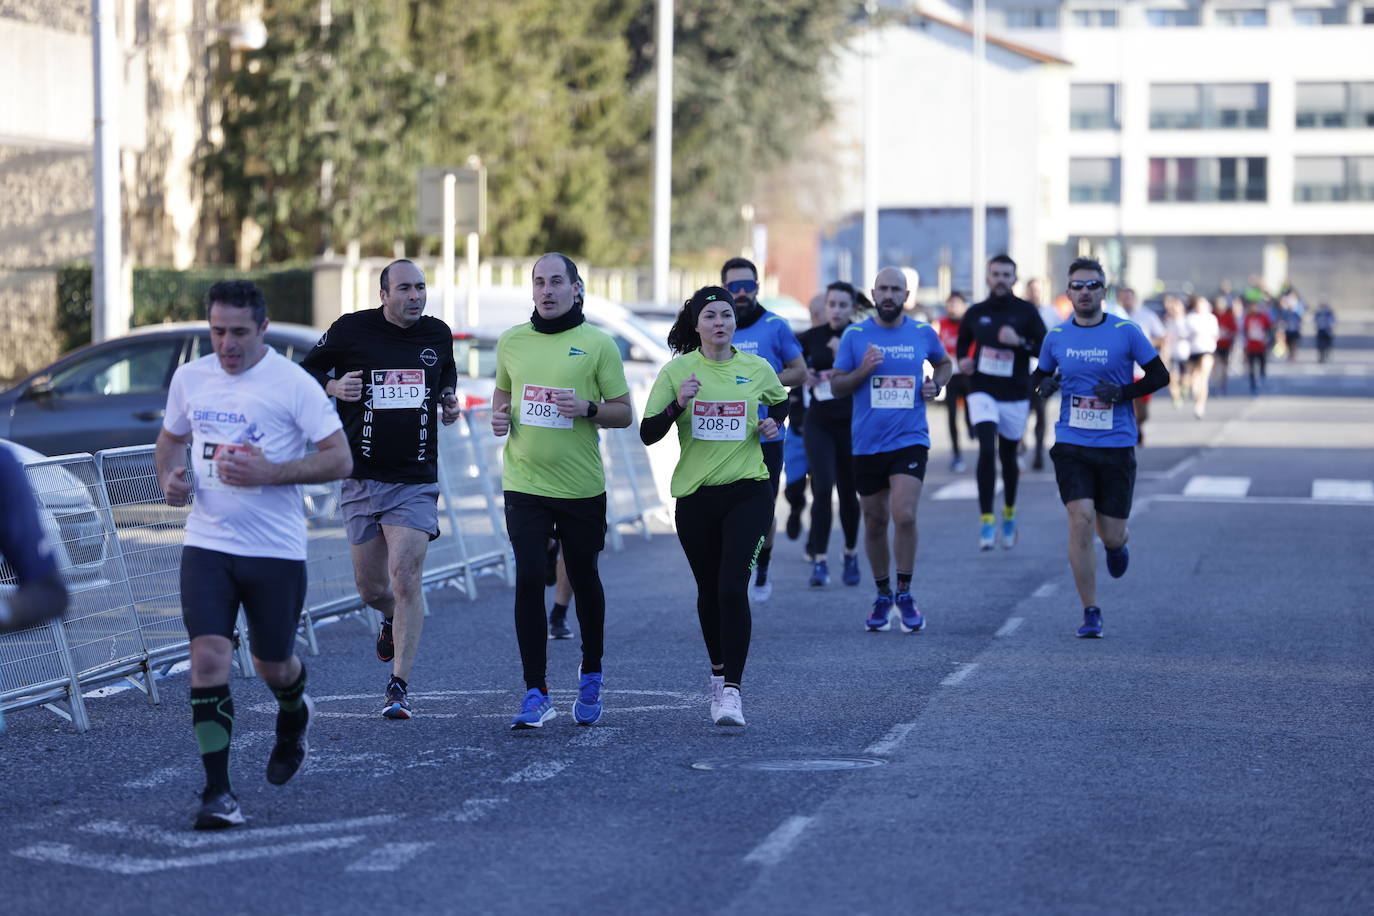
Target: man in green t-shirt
x=557 y=379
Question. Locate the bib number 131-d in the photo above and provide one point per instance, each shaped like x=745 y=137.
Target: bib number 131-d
x=397 y=389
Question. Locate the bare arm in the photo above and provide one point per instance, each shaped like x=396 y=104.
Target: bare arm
x=794 y=373
x=251 y=468
x=169 y=457
x=614 y=413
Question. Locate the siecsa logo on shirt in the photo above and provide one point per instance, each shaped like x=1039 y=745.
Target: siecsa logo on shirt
x=573 y=351
x=741 y=380
x=218 y=416
x=429 y=357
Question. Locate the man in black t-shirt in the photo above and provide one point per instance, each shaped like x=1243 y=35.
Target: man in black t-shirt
x=390 y=369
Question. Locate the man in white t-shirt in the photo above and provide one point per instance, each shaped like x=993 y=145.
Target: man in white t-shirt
x=248 y=414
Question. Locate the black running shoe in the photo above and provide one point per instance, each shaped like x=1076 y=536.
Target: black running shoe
x=386 y=643
x=291 y=751
x=794 y=521
x=218 y=809
x=397 y=702
x=558 y=626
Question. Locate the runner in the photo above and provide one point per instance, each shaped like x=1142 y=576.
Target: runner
x=389 y=369
x=880 y=362
x=1256 y=326
x=795 y=469
x=828 y=452
x=569 y=380
x=1093 y=356
x=1203 y=331
x=248 y=413
x=1228 y=328
x=1004 y=332
x=1049 y=317
x=956 y=393
x=712 y=392
x=1324 y=319
x=761 y=333
x=1153 y=329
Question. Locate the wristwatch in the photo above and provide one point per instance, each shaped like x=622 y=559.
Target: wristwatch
x=591 y=409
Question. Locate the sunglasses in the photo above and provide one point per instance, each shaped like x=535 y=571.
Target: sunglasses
x=742 y=286
x=1086 y=284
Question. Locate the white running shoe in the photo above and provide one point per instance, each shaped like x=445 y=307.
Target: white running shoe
x=731 y=708
x=761 y=590
x=717 y=692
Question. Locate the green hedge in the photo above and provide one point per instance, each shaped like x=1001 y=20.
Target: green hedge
x=161 y=294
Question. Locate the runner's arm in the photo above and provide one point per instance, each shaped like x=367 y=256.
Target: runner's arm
x=42 y=594
x=794 y=373
x=332 y=460
x=1156 y=377
x=321 y=361
x=613 y=413
x=943 y=370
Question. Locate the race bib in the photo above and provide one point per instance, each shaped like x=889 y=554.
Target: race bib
x=538 y=408
x=395 y=389
x=822 y=391
x=207 y=474
x=1089 y=413
x=720 y=421
x=992 y=361
x=892 y=392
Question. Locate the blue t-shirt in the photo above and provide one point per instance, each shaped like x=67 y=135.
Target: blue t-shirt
x=22 y=541
x=770 y=337
x=889 y=412
x=1107 y=351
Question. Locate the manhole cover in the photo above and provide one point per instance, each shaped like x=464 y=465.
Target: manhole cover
x=793 y=765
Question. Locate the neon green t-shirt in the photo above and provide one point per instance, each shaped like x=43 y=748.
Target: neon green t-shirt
x=718 y=432
x=549 y=455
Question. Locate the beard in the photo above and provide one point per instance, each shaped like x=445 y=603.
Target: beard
x=889 y=311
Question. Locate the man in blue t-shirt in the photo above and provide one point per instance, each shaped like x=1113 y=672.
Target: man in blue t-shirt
x=1093 y=358
x=881 y=362
x=760 y=332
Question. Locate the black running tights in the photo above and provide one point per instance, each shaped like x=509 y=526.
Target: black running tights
x=990 y=447
x=721 y=529
x=831 y=463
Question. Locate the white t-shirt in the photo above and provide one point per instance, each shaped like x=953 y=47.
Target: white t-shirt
x=1205 y=331
x=275 y=406
x=1148 y=322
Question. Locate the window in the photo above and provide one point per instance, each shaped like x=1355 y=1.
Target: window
x=140 y=367
x=1321 y=179
x=1368 y=15
x=1335 y=105
x=1242 y=18
x=1095 y=181
x=1033 y=17
x=1167 y=19
x=1092 y=106
x=1191 y=106
x=1225 y=179
x=1321 y=15
x=1095 y=19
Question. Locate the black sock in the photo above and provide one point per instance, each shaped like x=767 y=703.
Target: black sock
x=212 y=714
x=559 y=611
x=291 y=711
x=884 y=585
x=903 y=582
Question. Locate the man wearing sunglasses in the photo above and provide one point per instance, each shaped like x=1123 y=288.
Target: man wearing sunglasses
x=1093 y=357
x=760 y=332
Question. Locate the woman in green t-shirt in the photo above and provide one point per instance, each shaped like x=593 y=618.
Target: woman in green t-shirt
x=712 y=393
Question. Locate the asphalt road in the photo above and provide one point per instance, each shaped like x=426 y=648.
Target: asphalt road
x=1212 y=754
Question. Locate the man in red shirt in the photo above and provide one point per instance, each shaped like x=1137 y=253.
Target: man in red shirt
x=1255 y=325
x=958 y=387
x=1226 y=338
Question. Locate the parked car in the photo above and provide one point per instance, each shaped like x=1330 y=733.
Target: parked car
x=114 y=393
x=69 y=518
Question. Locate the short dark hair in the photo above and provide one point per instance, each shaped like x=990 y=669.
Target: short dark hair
x=1002 y=258
x=955 y=294
x=859 y=300
x=683 y=336
x=734 y=263
x=569 y=268
x=1087 y=264
x=239 y=294
x=386 y=272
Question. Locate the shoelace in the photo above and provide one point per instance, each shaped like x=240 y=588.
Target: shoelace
x=591 y=690
x=532 y=702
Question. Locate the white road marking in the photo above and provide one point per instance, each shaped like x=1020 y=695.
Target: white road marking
x=961 y=489
x=595 y=737
x=958 y=676
x=1327 y=488
x=1207 y=486
x=538 y=772
x=677 y=700
x=1045 y=590
x=66 y=854
x=389 y=857
x=185 y=771
x=779 y=843
x=1261 y=501
x=188 y=840
x=1011 y=626
x=473 y=809
x=889 y=742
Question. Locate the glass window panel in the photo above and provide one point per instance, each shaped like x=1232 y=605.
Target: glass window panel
x=1174 y=106
x=1362 y=104
x=1171 y=18
x=140 y=367
x=1092 y=106
x=1242 y=18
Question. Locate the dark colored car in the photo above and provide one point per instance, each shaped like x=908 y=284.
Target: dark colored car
x=114 y=393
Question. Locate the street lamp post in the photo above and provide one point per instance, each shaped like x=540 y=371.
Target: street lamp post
x=870 y=186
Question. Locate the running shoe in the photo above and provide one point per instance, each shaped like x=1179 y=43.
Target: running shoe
x=1117 y=561
x=558 y=625
x=386 y=643
x=535 y=710
x=820 y=574
x=794 y=521
x=1009 y=533
x=731 y=707
x=1039 y=463
x=987 y=534
x=851 y=569
x=912 y=619
x=587 y=706
x=958 y=466
x=397 y=702
x=880 y=620
x=218 y=809
x=1092 y=623
x=717 y=695
x=291 y=750
x=762 y=589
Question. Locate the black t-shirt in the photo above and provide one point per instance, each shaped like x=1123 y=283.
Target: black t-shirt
x=820 y=357
x=393 y=429
x=1000 y=370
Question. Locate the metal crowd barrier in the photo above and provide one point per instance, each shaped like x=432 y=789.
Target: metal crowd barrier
x=119 y=550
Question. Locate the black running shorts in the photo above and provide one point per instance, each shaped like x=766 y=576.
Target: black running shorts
x=872 y=472
x=1104 y=475
x=272 y=592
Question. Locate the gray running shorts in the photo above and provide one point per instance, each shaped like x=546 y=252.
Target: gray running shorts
x=367 y=505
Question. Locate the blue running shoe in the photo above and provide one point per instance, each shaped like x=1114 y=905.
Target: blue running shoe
x=881 y=619
x=912 y=620
x=1009 y=533
x=851 y=569
x=987 y=535
x=820 y=574
x=1117 y=561
x=1092 y=623
x=587 y=706
x=535 y=710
